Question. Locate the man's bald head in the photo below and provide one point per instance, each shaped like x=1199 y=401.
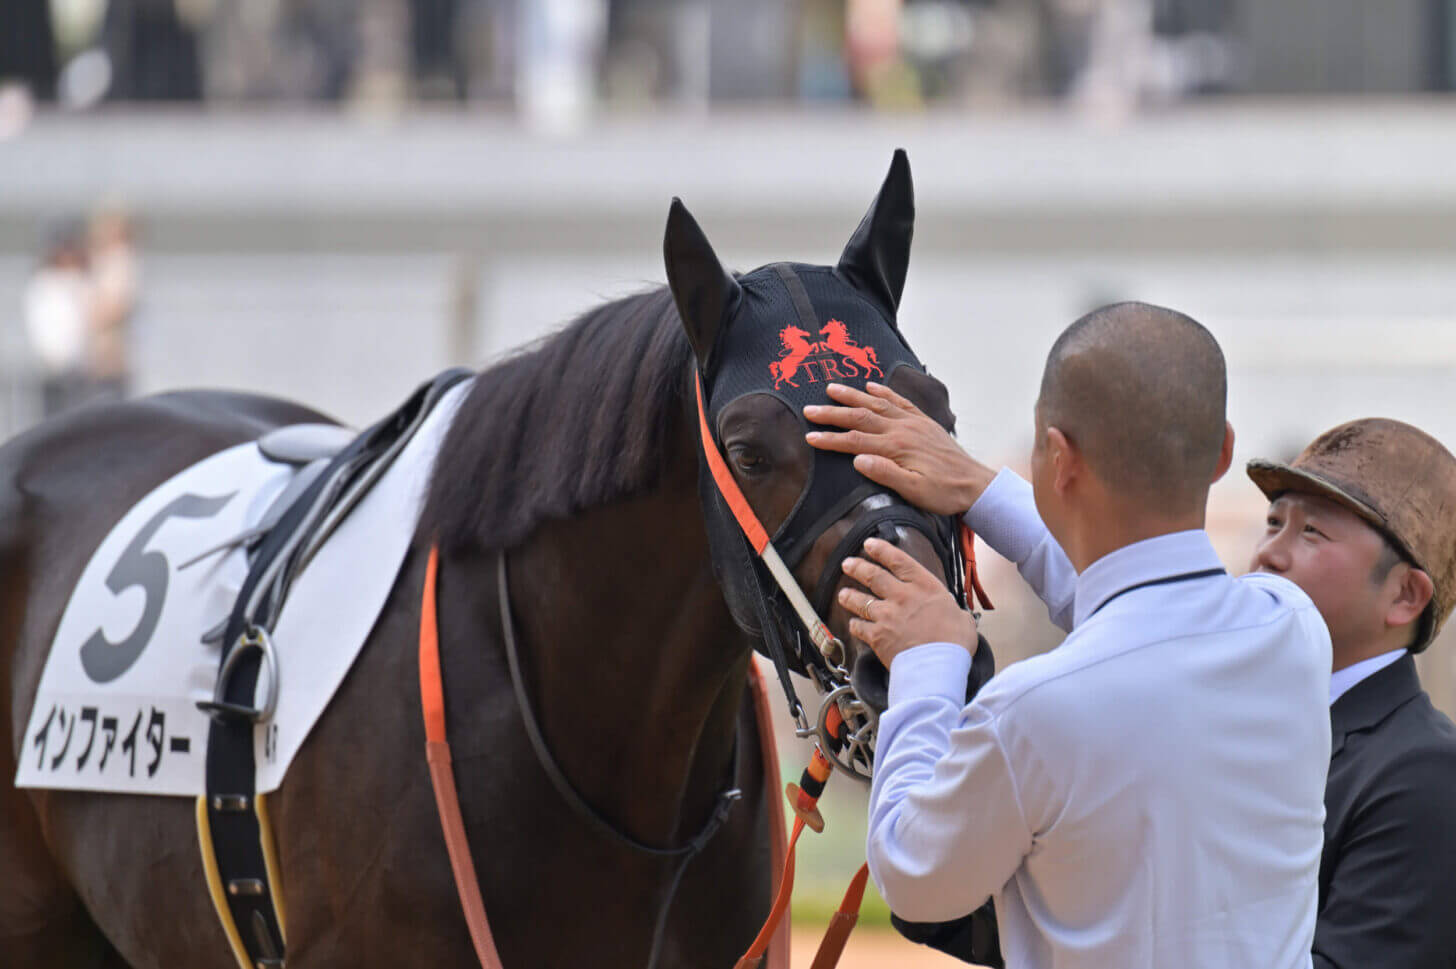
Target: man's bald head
x=1140 y=391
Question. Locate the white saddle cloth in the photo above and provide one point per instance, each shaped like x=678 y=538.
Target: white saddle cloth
x=116 y=708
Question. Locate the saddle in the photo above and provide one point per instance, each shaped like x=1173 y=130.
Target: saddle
x=336 y=468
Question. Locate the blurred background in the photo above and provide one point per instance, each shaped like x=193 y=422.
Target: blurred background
x=333 y=199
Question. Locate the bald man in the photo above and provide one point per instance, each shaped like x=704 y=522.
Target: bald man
x=1149 y=794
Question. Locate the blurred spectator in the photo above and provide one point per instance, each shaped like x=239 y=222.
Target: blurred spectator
x=115 y=279
x=559 y=59
x=77 y=309
x=28 y=45
x=58 y=299
x=153 y=52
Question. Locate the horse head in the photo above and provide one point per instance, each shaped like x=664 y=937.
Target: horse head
x=816 y=507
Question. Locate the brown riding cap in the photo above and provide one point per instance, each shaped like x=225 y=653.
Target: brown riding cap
x=1398 y=478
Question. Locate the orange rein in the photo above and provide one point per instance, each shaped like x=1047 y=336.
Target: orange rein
x=442 y=775
x=447 y=800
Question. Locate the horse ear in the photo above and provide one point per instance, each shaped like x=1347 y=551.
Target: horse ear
x=878 y=254
x=704 y=291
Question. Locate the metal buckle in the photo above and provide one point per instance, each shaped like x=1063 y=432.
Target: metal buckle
x=853 y=752
x=253 y=637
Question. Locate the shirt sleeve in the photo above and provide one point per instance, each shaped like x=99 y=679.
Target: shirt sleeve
x=1389 y=900
x=1006 y=519
x=946 y=829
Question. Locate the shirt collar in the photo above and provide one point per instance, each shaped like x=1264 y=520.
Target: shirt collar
x=1147 y=561
x=1343 y=679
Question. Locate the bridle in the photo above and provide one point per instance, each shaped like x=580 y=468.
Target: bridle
x=845 y=724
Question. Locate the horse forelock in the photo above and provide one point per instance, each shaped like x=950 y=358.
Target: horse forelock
x=585 y=416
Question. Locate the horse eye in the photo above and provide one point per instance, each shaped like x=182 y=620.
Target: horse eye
x=748 y=460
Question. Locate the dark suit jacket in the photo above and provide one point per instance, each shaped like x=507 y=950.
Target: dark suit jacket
x=1387 y=880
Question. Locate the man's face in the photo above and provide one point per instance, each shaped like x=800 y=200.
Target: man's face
x=1330 y=553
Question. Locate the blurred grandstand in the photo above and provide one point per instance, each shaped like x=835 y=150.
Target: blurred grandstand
x=556 y=58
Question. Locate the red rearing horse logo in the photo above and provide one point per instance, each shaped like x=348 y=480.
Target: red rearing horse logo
x=836 y=357
x=796 y=348
x=839 y=341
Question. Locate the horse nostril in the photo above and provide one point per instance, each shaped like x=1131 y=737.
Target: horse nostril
x=871 y=681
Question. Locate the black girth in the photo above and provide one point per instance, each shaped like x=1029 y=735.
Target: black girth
x=232 y=822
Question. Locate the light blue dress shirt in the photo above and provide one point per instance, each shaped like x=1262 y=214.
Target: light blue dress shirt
x=1149 y=794
x=1343 y=680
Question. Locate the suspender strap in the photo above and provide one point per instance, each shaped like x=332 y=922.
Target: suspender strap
x=758 y=536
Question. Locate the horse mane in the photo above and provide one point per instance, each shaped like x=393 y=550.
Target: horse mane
x=582 y=417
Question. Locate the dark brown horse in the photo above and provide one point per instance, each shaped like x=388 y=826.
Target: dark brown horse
x=580 y=458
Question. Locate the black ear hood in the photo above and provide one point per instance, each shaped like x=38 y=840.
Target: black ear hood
x=789 y=330
x=798 y=329
x=878 y=254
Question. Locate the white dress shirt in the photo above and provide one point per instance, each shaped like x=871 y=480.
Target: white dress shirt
x=1149 y=794
x=1344 y=679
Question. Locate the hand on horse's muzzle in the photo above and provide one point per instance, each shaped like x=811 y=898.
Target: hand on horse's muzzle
x=901 y=604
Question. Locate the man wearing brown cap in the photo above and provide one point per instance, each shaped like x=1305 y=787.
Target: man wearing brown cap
x=1365 y=522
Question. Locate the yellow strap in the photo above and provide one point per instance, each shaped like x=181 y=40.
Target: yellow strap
x=270 y=862
x=214 y=885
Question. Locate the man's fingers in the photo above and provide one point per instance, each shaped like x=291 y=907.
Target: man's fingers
x=869 y=575
x=850 y=418
x=884 y=393
x=859 y=603
x=850 y=397
x=901 y=565
x=883 y=471
x=849 y=442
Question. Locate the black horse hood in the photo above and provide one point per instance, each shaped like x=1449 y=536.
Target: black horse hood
x=788 y=330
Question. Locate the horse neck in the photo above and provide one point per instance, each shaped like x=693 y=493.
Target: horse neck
x=635 y=668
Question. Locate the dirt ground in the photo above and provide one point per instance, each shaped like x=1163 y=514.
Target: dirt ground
x=874 y=949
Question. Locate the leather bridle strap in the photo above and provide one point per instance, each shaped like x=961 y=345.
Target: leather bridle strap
x=442 y=775
x=685 y=853
x=447 y=799
x=758 y=537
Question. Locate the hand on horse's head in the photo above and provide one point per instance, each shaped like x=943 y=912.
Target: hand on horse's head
x=902 y=604
x=900 y=447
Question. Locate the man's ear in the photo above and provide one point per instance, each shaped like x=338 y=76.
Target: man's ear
x=704 y=291
x=1414 y=594
x=1225 y=454
x=1066 y=460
